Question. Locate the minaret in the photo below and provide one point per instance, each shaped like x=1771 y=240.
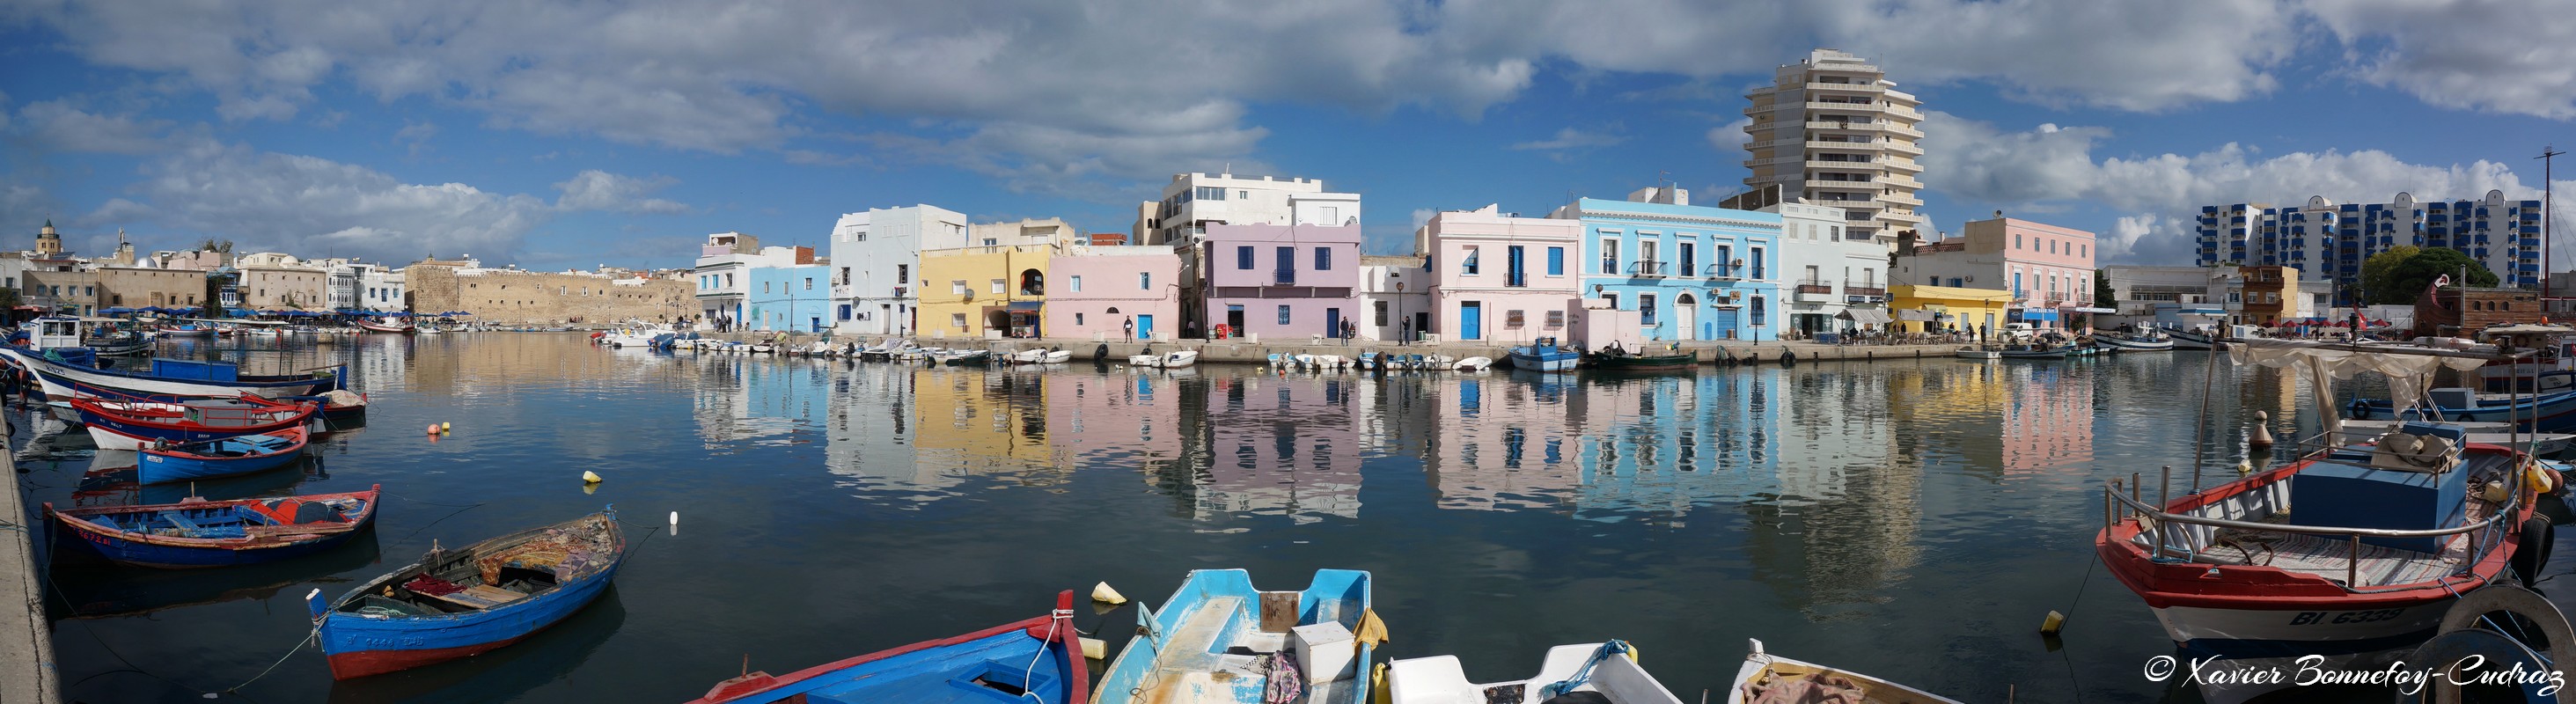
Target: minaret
x=49 y=244
x=124 y=250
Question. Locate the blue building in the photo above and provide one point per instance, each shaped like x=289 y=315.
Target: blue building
x=1691 y=272
x=788 y=298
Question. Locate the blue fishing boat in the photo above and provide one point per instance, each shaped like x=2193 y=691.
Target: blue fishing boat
x=134 y=424
x=1545 y=356
x=1035 y=660
x=2555 y=413
x=170 y=379
x=223 y=457
x=1218 y=639
x=199 y=533
x=465 y=602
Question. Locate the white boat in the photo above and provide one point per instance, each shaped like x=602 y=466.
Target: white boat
x=1439 y=361
x=1800 y=681
x=2140 y=342
x=1039 y=356
x=1475 y=364
x=626 y=337
x=1979 y=353
x=1609 y=670
x=1057 y=356
x=1148 y=361
x=1176 y=360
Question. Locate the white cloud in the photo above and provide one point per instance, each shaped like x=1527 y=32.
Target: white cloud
x=600 y=190
x=58 y=126
x=1571 y=138
x=1980 y=166
x=2501 y=55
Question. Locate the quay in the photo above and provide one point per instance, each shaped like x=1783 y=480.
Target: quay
x=27 y=672
x=1245 y=351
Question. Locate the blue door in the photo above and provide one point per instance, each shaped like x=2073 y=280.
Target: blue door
x=1724 y=324
x=1144 y=327
x=1471 y=321
x=1333 y=323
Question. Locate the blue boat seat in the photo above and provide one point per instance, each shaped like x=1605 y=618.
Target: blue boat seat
x=181 y=520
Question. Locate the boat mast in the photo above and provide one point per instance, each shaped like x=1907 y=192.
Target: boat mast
x=2546 y=211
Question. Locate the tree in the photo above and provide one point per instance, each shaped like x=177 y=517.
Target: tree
x=9 y=298
x=2103 y=296
x=2374 y=271
x=2407 y=278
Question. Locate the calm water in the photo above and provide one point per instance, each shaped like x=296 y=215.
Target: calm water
x=1912 y=520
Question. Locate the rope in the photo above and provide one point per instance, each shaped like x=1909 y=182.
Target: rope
x=1583 y=674
x=1057 y=616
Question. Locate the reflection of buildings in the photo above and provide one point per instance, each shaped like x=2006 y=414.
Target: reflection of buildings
x=1116 y=419
x=970 y=423
x=751 y=399
x=1668 y=443
x=2048 y=426
x=1502 y=443
x=1851 y=479
x=1282 y=445
x=868 y=426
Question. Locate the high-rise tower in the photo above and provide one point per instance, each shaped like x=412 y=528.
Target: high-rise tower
x=1834 y=131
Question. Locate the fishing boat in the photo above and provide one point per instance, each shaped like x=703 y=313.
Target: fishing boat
x=1218 y=639
x=2032 y=352
x=1979 y=353
x=221 y=457
x=118 y=343
x=2534 y=444
x=134 y=424
x=1369 y=361
x=1545 y=356
x=383 y=327
x=1041 y=356
x=1608 y=670
x=1616 y=358
x=2196 y=340
x=189 y=330
x=1765 y=678
x=1147 y=361
x=341 y=408
x=1036 y=659
x=168 y=379
x=969 y=358
x=468 y=601
x=2552 y=412
x=200 y=533
x=2349 y=551
x=2134 y=342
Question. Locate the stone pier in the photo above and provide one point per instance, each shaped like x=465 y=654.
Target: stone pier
x=27 y=673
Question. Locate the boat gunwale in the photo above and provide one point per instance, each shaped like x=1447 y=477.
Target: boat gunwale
x=79 y=518
x=615 y=530
x=1078 y=685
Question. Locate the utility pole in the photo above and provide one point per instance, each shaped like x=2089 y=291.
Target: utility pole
x=2546 y=162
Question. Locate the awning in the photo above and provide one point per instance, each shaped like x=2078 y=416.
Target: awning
x=1864 y=316
x=1918 y=316
x=1017 y=306
x=2094 y=310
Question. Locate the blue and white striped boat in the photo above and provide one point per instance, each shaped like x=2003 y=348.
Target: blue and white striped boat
x=171 y=379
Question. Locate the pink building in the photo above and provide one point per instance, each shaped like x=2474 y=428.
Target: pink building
x=1498 y=278
x=1282 y=282
x=2048 y=268
x=1099 y=290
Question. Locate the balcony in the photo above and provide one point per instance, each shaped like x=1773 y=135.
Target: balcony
x=1649 y=268
x=1813 y=286
x=1720 y=270
x=1863 y=288
x=1283 y=277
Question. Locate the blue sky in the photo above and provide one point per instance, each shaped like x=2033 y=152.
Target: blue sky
x=570 y=135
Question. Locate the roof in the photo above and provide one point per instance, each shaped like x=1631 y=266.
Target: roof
x=1921 y=291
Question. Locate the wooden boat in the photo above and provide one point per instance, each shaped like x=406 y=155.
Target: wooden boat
x=2530 y=443
x=2553 y=412
x=1615 y=358
x=383 y=327
x=468 y=601
x=1544 y=356
x=1218 y=640
x=199 y=533
x=131 y=425
x=969 y=358
x=222 y=457
x=1771 y=679
x=2196 y=340
x=189 y=330
x=2349 y=551
x=1608 y=670
x=168 y=379
x=2032 y=352
x=1036 y=659
x=2140 y=342
x=1979 y=353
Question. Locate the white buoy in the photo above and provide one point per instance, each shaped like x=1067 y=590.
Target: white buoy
x=675 y=518
x=1106 y=595
x=589 y=477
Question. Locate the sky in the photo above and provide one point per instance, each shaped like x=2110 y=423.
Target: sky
x=577 y=134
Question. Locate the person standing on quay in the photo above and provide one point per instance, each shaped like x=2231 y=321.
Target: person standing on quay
x=1130 y=328
x=1405 y=336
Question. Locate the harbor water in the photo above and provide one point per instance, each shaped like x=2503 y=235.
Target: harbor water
x=1914 y=520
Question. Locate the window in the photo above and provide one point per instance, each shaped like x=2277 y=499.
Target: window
x=764 y=287
x=1209 y=193
x=1757 y=262
x=1555 y=319
x=1512 y=319
x=1556 y=261
x=1758 y=310
x=990 y=241
x=1243 y=258
x=1471 y=265
x=1380 y=307
x=902 y=274
x=809 y=285
x=1076 y=282
x=1725 y=256
x=957 y=287
x=957 y=320
x=1144 y=281
x=1332 y=215
x=1283 y=315
x=1077 y=318
x=1690 y=258
x=1323 y=259
x=1646 y=308
x=997 y=285
x=1609 y=256
x=2016 y=240
x=1646 y=257
x=1286 y=261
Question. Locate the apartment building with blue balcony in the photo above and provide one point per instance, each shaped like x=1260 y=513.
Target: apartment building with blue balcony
x=1690 y=272
x=2331 y=240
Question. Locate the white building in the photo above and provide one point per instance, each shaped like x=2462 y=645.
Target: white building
x=1191 y=202
x=1395 y=297
x=381 y=289
x=723 y=273
x=2331 y=240
x=1834 y=131
x=876 y=256
x=1830 y=267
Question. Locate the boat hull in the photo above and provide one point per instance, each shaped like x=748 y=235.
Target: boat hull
x=112 y=432
x=360 y=646
x=84 y=537
x=2272 y=633
x=2548 y=414
x=2128 y=345
x=66 y=381
x=1659 y=363
x=1545 y=361
x=163 y=467
x=934 y=670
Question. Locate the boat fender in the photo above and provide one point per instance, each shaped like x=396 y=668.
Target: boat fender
x=2359 y=409
x=1788 y=358
x=2053 y=623
x=2536 y=481
x=1100 y=353
x=2531 y=550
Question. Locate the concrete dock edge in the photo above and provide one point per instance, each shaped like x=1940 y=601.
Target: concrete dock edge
x=27 y=672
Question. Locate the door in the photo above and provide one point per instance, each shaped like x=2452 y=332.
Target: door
x=1686 y=319
x=1234 y=319
x=1723 y=323
x=1471 y=320
x=1144 y=327
x=1333 y=323
x=1421 y=324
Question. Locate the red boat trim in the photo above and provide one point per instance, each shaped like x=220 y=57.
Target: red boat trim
x=369 y=663
x=296 y=433
x=1080 y=686
x=78 y=519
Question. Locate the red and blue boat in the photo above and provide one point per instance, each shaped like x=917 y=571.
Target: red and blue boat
x=1033 y=660
x=221 y=457
x=134 y=424
x=465 y=602
x=199 y=533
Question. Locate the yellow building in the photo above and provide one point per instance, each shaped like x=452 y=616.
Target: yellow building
x=1929 y=308
x=973 y=291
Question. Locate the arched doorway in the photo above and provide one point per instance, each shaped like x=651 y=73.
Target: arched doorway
x=1685 y=317
x=1032 y=283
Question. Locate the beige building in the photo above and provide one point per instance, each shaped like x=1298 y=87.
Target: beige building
x=62 y=289
x=1834 y=131
x=512 y=296
x=284 y=288
x=138 y=287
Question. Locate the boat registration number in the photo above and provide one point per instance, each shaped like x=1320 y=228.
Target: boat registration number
x=2306 y=618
